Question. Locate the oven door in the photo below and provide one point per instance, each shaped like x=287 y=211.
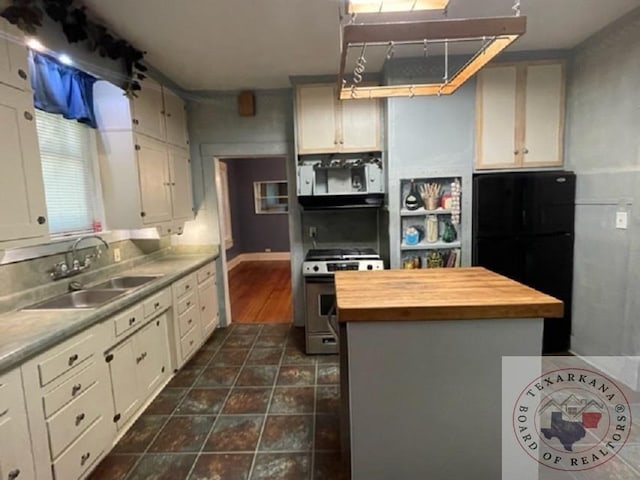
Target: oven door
x=321 y=306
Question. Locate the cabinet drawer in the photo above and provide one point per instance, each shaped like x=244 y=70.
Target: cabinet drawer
x=190 y=342
x=128 y=320
x=66 y=425
x=158 y=303
x=206 y=272
x=186 y=302
x=10 y=390
x=187 y=321
x=70 y=390
x=65 y=357
x=83 y=453
x=185 y=285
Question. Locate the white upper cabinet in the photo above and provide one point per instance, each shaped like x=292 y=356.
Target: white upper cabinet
x=23 y=213
x=147 y=111
x=176 y=119
x=146 y=181
x=328 y=125
x=520 y=115
x=155 y=181
x=13 y=57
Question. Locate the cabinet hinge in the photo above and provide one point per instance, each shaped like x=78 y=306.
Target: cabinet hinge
x=116 y=418
x=108 y=358
x=137 y=147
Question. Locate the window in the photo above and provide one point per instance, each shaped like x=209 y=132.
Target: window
x=271 y=197
x=68 y=154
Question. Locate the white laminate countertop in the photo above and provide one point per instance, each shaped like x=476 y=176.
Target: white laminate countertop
x=24 y=334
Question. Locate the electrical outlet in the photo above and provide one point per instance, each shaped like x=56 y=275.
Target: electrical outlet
x=116 y=254
x=622 y=220
x=312 y=232
x=267 y=249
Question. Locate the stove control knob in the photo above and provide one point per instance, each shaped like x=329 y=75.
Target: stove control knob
x=369 y=267
x=316 y=268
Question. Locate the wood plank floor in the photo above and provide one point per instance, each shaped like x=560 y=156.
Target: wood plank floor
x=261 y=292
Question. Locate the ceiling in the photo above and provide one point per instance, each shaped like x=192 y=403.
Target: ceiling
x=258 y=44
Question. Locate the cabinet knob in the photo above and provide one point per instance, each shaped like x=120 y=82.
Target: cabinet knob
x=143 y=214
x=28 y=116
x=516 y=152
x=136 y=121
x=132 y=320
x=156 y=305
x=73 y=359
x=525 y=151
x=13 y=474
x=84 y=458
x=41 y=220
x=79 y=418
x=75 y=389
x=22 y=74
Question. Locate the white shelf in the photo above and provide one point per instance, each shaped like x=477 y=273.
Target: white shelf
x=431 y=246
x=421 y=212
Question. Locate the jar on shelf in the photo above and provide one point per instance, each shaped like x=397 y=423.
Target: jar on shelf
x=431 y=228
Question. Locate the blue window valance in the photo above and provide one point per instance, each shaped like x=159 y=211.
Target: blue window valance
x=62 y=89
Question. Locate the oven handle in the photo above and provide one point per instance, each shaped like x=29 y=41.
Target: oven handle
x=331 y=317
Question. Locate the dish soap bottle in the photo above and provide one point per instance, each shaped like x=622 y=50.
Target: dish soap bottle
x=412 y=200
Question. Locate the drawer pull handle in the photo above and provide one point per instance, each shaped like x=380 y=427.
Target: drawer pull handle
x=84 y=458
x=191 y=343
x=144 y=355
x=22 y=74
x=156 y=305
x=79 y=419
x=2 y=414
x=190 y=321
x=132 y=320
x=203 y=308
x=187 y=286
x=188 y=304
x=73 y=358
x=75 y=389
x=13 y=474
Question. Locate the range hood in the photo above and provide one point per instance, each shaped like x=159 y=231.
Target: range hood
x=340 y=183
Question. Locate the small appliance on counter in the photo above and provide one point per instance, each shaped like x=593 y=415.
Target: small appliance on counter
x=318 y=269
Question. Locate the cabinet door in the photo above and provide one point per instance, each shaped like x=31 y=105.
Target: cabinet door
x=13 y=57
x=124 y=381
x=316 y=119
x=148 y=111
x=155 y=183
x=15 y=455
x=22 y=202
x=152 y=356
x=208 y=300
x=360 y=125
x=544 y=115
x=181 y=197
x=176 y=119
x=496 y=118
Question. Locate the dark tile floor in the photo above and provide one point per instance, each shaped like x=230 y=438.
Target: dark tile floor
x=249 y=405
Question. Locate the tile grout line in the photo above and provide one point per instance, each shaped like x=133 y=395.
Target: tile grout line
x=231 y=387
x=266 y=413
x=315 y=421
x=170 y=416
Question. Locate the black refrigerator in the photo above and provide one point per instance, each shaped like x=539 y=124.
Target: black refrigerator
x=523 y=226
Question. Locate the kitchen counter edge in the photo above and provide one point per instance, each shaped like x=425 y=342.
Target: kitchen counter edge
x=42 y=337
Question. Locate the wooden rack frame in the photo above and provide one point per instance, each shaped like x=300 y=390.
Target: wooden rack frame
x=500 y=32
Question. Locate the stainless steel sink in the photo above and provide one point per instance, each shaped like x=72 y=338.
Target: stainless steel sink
x=126 y=282
x=81 y=299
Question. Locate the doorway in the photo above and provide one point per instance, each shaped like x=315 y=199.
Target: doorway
x=254 y=237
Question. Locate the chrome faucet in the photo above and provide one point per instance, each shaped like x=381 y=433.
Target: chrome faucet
x=72 y=265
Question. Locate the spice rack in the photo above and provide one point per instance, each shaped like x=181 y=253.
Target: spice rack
x=430 y=222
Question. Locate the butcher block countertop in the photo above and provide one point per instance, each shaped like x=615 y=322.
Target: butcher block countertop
x=438 y=294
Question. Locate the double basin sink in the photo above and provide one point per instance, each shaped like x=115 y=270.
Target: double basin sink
x=94 y=296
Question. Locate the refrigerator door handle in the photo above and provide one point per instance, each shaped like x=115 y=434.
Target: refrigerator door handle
x=524 y=218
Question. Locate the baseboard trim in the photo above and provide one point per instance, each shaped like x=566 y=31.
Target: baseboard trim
x=257 y=257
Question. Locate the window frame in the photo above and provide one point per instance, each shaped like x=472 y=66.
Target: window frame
x=257 y=197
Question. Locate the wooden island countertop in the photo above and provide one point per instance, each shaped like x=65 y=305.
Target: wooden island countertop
x=438 y=294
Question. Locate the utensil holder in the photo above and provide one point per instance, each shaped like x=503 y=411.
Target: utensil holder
x=430 y=203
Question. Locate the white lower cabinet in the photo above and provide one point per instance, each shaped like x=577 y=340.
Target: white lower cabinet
x=137 y=368
x=209 y=314
x=69 y=421
x=16 y=460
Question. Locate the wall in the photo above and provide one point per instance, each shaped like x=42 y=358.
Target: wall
x=603 y=148
x=255 y=232
x=216 y=130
